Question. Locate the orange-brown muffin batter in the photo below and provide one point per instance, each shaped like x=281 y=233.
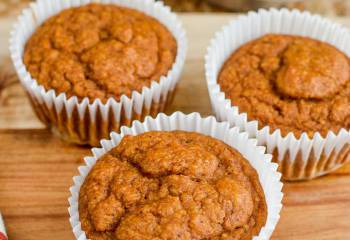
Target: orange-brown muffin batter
x=99 y=51
x=172 y=185
x=293 y=83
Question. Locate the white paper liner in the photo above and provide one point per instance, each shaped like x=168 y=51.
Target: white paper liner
x=44 y=100
x=299 y=158
x=267 y=171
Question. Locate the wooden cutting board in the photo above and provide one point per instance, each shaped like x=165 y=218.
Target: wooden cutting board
x=36 y=169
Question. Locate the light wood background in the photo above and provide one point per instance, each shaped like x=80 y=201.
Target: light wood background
x=36 y=169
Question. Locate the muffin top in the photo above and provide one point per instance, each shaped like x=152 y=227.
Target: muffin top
x=99 y=51
x=295 y=84
x=172 y=185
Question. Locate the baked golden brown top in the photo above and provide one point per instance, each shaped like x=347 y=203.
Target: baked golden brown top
x=172 y=185
x=99 y=51
x=293 y=83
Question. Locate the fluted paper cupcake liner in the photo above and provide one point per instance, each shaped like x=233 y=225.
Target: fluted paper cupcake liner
x=267 y=171
x=83 y=122
x=299 y=158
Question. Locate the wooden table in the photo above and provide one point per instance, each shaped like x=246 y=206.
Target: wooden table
x=36 y=169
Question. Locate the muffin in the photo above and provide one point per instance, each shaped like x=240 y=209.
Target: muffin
x=283 y=76
x=173 y=178
x=172 y=185
x=292 y=83
x=98 y=64
x=99 y=51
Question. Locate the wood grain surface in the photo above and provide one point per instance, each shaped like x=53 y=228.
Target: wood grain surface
x=36 y=169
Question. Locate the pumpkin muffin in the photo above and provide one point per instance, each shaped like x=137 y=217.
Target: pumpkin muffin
x=172 y=185
x=99 y=51
x=292 y=83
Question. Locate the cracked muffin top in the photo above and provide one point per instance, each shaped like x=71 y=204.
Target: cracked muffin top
x=99 y=51
x=295 y=84
x=172 y=185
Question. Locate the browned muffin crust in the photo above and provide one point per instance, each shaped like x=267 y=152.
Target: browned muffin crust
x=172 y=185
x=293 y=83
x=99 y=51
